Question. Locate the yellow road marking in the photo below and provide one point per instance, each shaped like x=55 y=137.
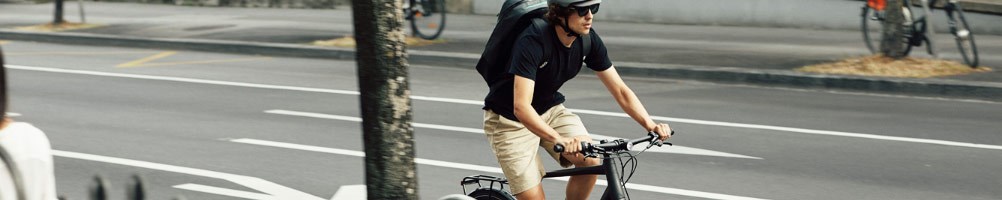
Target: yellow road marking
x=66 y=53
x=207 y=61
x=147 y=59
x=3 y=41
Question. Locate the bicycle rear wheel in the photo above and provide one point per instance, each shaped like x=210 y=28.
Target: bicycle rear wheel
x=962 y=34
x=490 y=194
x=872 y=26
x=428 y=18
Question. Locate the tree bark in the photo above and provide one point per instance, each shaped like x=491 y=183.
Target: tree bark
x=390 y=171
x=57 y=17
x=893 y=42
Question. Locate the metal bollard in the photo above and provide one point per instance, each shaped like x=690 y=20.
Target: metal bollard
x=99 y=190
x=136 y=190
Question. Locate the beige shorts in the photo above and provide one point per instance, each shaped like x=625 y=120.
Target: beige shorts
x=517 y=148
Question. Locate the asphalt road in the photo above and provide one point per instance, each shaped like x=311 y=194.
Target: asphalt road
x=224 y=126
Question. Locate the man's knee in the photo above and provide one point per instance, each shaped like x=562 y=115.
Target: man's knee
x=581 y=161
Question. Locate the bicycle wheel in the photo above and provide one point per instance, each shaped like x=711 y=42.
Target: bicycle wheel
x=490 y=194
x=962 y=34
x=428 y=18
x=872 y=26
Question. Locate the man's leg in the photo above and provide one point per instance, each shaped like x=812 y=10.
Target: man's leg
x=533 y=193
x=580 y=186
x=569 y=125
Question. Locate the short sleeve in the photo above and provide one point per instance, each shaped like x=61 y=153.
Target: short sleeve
x=598 y=58
x=527 y=56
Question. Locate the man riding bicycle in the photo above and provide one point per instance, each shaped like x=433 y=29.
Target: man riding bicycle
x=524 y=110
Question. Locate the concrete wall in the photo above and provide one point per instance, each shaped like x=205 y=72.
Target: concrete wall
x=813 y=14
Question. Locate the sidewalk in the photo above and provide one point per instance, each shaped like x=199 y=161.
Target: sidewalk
x=745 y=55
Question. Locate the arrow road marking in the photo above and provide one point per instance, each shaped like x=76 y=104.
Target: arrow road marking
x=663 y=149
x=480 y=103
x=275 y=191
x=350 y=192
x=463 y=166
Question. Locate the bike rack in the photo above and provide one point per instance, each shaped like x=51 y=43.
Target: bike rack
x=469 y=180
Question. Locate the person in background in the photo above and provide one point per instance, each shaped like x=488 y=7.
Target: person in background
x=29 y=152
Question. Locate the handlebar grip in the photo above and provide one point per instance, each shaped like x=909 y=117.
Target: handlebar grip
x=559 y=148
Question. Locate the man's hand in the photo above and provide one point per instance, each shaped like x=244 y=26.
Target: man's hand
x=663 y=131
x=571 y=144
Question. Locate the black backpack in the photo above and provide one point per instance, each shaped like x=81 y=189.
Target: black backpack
x=515 y=17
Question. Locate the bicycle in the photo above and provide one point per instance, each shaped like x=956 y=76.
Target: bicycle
x=918 y=30
x=613 y=167
x=427 y=17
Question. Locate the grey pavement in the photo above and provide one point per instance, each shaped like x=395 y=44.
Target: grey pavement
x=810 y=144
x=729 y=54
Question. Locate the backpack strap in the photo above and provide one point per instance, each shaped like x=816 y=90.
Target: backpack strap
x=544 y=27
x=541 y=24
x=586 y=45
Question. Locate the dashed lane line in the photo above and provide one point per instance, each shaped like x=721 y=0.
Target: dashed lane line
x=142 y=61
x=676 y=149
x=206 y=61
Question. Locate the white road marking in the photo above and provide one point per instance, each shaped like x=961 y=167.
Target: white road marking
x=10 y=114
x=276 y=191
x=223 y=191
x=802 y=130
x=350 y=192
x=463 y=166
x=473 y=102
x=663 y=149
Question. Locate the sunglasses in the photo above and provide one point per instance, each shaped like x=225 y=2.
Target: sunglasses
x=582 y=11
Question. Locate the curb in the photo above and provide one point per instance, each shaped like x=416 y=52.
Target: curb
x=781 y=78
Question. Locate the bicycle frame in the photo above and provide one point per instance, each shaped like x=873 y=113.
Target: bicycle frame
x=614 y=190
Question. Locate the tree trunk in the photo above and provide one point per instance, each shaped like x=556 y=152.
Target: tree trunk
x=57 y=17
x=893 y=43
x=390 y=171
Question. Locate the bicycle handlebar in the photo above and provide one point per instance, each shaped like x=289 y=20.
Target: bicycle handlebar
x=618 y=145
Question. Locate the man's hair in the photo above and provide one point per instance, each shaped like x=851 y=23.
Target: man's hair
x=555 y=12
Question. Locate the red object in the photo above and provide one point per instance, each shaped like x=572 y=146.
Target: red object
x=877 y=4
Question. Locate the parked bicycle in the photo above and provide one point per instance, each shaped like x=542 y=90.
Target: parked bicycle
x=918 y=30
x=427 y=17
x=616 y=171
